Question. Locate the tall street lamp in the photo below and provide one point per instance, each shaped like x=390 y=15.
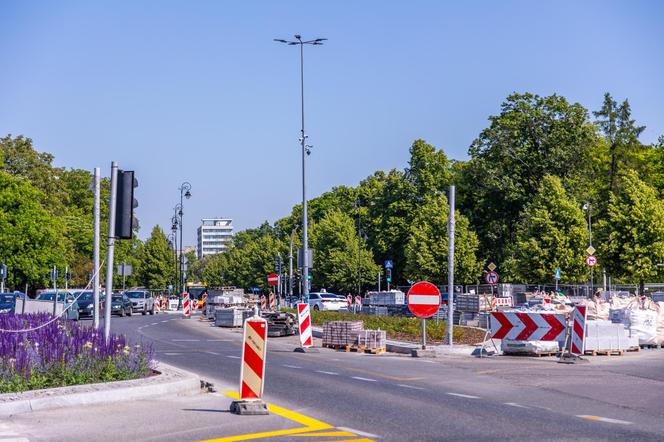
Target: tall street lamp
x=305 y=151
x=185 y=192
x=587 y=208
x=172 y=241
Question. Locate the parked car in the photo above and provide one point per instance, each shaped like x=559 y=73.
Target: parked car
x=141 y=301
x=120 y=304
x=85 y=303
x=7 y=302
x=73 y=310
x=327 y=301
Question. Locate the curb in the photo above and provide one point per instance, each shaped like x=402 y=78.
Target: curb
x=170 y=380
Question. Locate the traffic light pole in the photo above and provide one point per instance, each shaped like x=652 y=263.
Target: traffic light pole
x=109 y=251
x=96 y=244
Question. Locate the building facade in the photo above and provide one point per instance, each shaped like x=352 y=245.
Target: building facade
x=214 y=234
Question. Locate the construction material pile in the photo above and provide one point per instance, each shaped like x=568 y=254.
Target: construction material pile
x=231 y=317
x=341 y=333
x=393 y=297
x=372 y=339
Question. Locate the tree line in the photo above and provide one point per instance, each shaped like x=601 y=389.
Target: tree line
x=520 y=204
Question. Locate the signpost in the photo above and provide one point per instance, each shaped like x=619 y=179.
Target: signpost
x=491 y=278
x=423 y=300
x=556 y=275
x=124 y=270
x=273 y=279
x=3 y=275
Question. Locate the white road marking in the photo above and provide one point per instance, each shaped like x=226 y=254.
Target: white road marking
x=361 y=433
x=363 y=379
x=603 y=419
x=212 y=353
x=467 y=396
x=173 y=354
x=185 y=340
x=291 y=366
x=154 y=323
x=428 y=362
x=218 y=340
x=233 y=357
x=410 y=386
x=164 y=321
x=514 y=404
x=331 y=373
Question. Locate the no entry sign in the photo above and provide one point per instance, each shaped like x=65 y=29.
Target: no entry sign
x=423 y=300
x=273 y=279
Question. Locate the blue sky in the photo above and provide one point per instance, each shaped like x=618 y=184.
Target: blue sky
x=198 y=90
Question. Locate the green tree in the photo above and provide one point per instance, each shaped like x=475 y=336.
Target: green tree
x=31 y=239
x=552 y=233
x=156 y=258
x=426 y=250
x=337 y=246
x=532 y=137
x=631 y=238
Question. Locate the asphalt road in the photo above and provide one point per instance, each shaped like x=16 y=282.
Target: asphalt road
x=450 y=398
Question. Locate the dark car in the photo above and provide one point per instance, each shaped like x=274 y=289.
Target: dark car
x=7 y=302
x=120 y=305
x=86 y=303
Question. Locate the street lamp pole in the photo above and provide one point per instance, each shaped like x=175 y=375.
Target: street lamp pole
x=305 y=151
x=587 y=207
x=359 y=241
x=184 y=189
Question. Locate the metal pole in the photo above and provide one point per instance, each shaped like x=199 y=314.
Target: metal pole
x=96 y=245
x=109 y=252
x=590 y=235
x=359 y=239
x=124 y=276
x=424 y=334
x=379 y=280
x=604 y=278
x=182 y=287
x=290 y=267
x=305 y=223
x=450 y=269
x=55 y=289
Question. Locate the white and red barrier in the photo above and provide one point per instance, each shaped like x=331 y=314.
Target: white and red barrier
x=578 y=332
x=527 y=326
x=503 y=302
x=186 y=306
x=304 y=325
x=273 y=304
x=252 y=373
x=349 y=299
x=263 y=304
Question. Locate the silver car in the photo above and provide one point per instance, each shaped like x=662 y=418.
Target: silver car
x=327 y=301
x=142 y=301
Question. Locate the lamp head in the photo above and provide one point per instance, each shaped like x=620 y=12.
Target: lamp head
x=187 y=194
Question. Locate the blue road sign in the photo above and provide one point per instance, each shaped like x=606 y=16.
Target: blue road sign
x=388 y=263
x=255 y=289
x=557 y=275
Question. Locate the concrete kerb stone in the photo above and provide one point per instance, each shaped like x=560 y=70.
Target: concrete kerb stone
x=169 y=381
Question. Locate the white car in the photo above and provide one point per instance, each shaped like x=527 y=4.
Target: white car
x=327 y=301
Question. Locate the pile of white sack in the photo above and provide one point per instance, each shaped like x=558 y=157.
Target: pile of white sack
x=643 y=317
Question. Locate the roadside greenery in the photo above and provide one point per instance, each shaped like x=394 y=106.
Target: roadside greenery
x=519 y=204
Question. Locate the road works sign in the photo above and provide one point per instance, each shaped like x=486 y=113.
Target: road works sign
x=423 y=299
x=528 y=326
x=591 y=260
x=273 y=279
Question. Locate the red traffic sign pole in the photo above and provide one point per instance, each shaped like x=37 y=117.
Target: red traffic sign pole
x=423 y=301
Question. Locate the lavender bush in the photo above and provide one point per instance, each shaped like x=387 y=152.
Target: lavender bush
x=64 y=353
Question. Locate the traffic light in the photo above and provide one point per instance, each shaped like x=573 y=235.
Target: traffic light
x=68 y=276
x=388 y=275
x=125 y=205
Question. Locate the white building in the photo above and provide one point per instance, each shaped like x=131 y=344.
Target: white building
x=213 y=235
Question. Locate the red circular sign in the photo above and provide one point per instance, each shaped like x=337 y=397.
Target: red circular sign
x=423 y=299
x=273 y=279
x=591 y=260
x=491 y=278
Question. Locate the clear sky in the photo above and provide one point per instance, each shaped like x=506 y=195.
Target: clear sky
x=198 y=91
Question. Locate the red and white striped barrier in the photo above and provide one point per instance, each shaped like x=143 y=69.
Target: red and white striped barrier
x=252 y=373
x=273 y=304
x=349 y=299
x=263 y=304
x=186 y=306
x=204 y=298
x=523 y=326
x=578 y=341
x=503 y=302
x=304 y=325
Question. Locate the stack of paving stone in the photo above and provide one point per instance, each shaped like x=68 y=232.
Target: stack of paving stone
x=231 y=317
x=372 y=339
x=341 y=333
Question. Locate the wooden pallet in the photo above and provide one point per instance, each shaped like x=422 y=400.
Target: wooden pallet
x=373 y=351
x=605 y=352
x=538 y=355
x=635 y=348
x=657 y=346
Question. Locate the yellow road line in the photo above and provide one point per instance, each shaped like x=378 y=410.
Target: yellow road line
x=326 y=434
x=309 y=423
x=352 y=440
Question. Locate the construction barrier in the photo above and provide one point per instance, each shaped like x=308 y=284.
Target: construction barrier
x=254 y=349
x=528 y=326
x=304 y=325
x=263 y=304
x=186 y=306
x=578 y=332
x=273 y=304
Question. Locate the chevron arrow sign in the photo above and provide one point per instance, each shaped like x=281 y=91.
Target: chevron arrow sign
x=523 y=326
